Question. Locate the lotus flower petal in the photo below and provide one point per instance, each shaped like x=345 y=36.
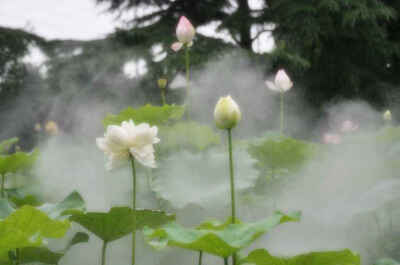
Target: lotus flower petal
x=176 y=46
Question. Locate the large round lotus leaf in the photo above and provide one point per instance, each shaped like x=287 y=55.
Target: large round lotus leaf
x=185 y=178
x=343 y=257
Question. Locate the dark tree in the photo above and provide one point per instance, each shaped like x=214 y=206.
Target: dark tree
x=334 y=48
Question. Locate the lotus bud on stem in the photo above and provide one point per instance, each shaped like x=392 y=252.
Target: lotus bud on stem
x=281 y=84
x=162 y=84
x=387 y=117
x=227 y=115
x=185 y=33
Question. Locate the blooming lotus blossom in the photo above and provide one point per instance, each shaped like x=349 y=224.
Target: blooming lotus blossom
x=282 y=82
x=120 y=142
x=227 y=113
x=185 y=33
x=331 y=138
x=348 y=126
x=387 y=116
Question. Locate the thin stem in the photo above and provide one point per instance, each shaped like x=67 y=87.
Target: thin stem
x=2 y=186
x=200 y=257
x=225 y=261
x=164 y=101
x=282 y=113
x=187 y=62
x=232 y=178
x=17 y=256
x=134 y=209
x=103 y=253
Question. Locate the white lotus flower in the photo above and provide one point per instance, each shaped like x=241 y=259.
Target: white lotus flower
x=185 y=33
x=227 y=113
x=387 y=116
x=119 y=142
x=282 y=82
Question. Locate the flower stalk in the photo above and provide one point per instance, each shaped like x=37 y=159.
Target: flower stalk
x=134 y=208
x=225 y=261
x=103 y=253
x=200 y=257
x=162 y=84
x=17 y=256
x=3 y=195
x=187 y=64
x=232 y=183
x=232 y=177
x=282 y=113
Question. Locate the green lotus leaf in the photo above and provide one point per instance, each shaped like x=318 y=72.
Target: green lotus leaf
x=280 y=154
x=220 y=240
x=187 y=135
x=18 y=161
x=27 y=227
x=386 y=261
x=44 y=255
x=20 y=200
x=73 y=202
x=343 y=257
x=118 y=222
x=7 y=144
x=208 y=185
x=154 y=115
x=5 y=208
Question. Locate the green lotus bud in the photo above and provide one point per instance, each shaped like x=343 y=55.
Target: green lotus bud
x=387 y=116
x=227 y=113
x=162 y=83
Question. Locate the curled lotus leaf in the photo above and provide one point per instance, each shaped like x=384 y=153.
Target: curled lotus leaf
x=215 y=238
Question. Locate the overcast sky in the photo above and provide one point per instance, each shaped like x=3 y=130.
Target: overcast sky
x=65 y=19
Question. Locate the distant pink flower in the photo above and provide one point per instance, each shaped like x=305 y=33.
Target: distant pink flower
x=185 y=33
x=331 y=138
x=348 y=126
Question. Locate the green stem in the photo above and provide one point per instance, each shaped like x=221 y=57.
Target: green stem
x=225 y=261
x=17 y=256
x=103 y=253
x=164 y=101
x=232 y=177
x=282 y=113
x=200 y=257
x=2 y=186
x=187 y=62
x=134 y=209
x=232 y=180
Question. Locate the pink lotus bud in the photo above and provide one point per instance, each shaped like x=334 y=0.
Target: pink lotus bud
x=348 y=126
x=185 y=31
x=282 y=82
x=331 y=138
